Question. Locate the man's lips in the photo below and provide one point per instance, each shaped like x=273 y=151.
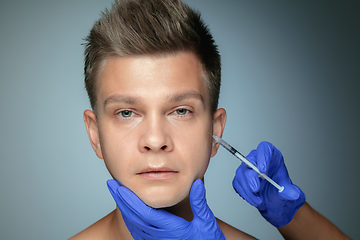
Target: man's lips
x=158 y=173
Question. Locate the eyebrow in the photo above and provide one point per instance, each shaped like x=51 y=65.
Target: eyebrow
x=121 y=99
x=116 y=98
x=182 y=96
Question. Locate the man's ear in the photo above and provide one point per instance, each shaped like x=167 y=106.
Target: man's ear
x=219 y=121
x=93 y=131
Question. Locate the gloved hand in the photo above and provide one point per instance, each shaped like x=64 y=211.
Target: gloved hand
x=277 y=208
x=145 y=222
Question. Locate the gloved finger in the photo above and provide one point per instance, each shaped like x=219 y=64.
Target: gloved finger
x=270 y=158
x=126 y=213
x=264 y=156
x=252 y=157
x=201 y=211
x=251 y=198
x=198 y=202
x=143 y=221
x=241 y=186
x=137 y=216
x=124 y=205
x=156 y=218
x=113 y=185
x=144 y=231
x=251 y=177
x=136 y=233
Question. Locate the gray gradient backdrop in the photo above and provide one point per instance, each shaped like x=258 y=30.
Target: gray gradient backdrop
x=291 y=72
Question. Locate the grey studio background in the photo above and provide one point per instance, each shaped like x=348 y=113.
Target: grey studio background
x=291 y=74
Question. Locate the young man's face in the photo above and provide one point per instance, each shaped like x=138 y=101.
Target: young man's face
x=154 y=126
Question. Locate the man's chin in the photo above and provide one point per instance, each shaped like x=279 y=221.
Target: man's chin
x=163 y=198
x=162 y=201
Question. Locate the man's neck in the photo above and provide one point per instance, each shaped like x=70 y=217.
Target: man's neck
x=118 y=227
x=182 y=209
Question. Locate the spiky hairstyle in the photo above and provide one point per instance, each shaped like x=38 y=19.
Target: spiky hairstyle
x=150 y=27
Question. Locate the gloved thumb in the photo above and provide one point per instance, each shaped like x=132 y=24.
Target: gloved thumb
x=198 y=202
x=204 y=218
x=128 y=203
x=290 y=192
x=113 y=185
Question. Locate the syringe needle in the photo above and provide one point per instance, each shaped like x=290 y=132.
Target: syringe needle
x=247 y=162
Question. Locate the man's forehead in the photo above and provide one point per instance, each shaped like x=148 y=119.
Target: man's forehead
x=113 y=71
x=113 y=62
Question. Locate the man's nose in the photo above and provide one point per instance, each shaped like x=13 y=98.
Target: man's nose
x=155 y=135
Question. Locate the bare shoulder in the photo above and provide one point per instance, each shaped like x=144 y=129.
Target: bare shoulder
x=233 y=233
x=103 y=229
x=98 y=230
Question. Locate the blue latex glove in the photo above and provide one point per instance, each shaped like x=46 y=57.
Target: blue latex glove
x=277 y=208
x=148 y=223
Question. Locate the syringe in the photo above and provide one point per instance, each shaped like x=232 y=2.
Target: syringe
x=247 y=162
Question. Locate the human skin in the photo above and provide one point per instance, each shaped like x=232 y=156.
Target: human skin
x=153 y=112
x=153 y=125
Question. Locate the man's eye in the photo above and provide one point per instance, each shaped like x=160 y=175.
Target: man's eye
x=182 y=111
x=126 y=113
